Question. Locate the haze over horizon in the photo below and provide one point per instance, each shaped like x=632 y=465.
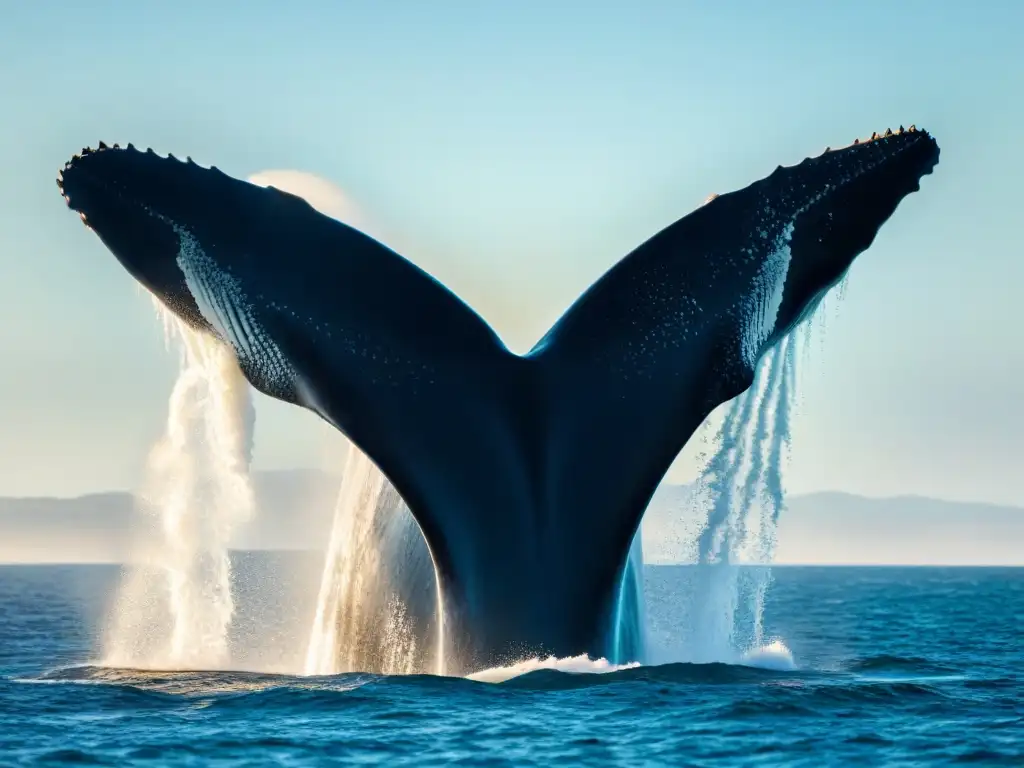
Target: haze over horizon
x=295 y=509
x=516 y=167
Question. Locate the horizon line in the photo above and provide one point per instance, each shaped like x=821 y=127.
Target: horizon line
x=779 y=564
x=317 y=470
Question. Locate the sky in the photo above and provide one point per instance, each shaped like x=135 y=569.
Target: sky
x=516 y=151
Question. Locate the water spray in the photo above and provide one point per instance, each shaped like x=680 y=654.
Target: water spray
x=174 y=607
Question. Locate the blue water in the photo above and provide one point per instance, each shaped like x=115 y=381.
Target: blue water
x=914 y=666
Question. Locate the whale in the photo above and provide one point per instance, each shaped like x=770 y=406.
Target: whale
x=527 y=475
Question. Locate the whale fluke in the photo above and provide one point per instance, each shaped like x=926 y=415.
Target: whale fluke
x=528 y=475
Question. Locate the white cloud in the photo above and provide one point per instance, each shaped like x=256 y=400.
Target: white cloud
x=323 y=195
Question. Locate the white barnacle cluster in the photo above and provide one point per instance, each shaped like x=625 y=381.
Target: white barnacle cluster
x=222 y=302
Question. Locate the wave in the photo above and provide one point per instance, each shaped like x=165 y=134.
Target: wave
x=191 y=682
x=904 y=670
x=534 y=674
x=871 y=679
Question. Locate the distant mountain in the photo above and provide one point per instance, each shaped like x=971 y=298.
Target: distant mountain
x=293 y=511
x=93 y=528
x=913 y=530
x=842 y=528
x=295 y=507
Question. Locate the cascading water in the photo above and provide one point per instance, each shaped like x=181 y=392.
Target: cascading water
x=742 y=490
x=362 y=621
x=174 y=607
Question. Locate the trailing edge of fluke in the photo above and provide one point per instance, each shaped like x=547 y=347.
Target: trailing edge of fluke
x=528 y=475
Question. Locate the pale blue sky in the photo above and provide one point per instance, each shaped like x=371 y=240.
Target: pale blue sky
x=516 y=150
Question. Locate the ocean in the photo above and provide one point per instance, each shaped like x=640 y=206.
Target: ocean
x=889 y=667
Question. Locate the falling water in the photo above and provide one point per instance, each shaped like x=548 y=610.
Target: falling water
x=175 y=607
x=742 y=490
x=361 y=623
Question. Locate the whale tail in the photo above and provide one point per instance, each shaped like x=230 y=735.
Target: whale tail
x=527 y=475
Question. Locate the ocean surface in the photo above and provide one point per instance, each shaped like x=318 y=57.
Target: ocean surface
x=890 y=667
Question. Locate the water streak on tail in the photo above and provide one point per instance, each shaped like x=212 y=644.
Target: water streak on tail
x=717 y=478
x=742 y=487
x=759 y=447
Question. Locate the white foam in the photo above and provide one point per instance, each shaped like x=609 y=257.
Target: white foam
x=577 y=665
x=775 y=656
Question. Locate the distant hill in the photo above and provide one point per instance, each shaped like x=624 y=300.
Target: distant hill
x=842 y=528
x=294 y=510
x=913 y=530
